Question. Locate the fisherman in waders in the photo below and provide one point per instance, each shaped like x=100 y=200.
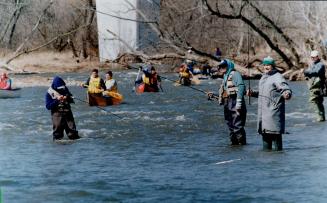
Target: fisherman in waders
x=231 y=94
x=58 y=100
x=273 y=91
x=94 y=83
x=316 y=75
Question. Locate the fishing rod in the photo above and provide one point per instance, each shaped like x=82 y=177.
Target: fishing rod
x=103 y=109
x=248 y=63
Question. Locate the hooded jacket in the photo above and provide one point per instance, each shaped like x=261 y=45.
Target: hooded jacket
x=58 y=87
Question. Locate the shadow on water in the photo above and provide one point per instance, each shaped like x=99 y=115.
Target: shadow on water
x=172 y=146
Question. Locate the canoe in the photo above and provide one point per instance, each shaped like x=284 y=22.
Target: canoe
x=7 y=94
x=110 y=98
x=140 y=88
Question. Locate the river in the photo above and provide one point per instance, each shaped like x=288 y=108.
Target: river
x=171 y=146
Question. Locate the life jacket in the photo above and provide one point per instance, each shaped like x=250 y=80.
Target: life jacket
x=111 y=85
x=185 y=74
x=94 y=85
x=230 y=87
x=145 y=79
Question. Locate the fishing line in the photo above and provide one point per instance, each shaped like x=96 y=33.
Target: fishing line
x=103 y=109
x=248 y=63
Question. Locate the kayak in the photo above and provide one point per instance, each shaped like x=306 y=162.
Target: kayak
x=108 y=99
x=12 y=93
x=140 y=88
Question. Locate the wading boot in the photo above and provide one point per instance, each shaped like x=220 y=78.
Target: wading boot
x=233 y=139
x=241 y=137
x=278 y=142
x=266 y=142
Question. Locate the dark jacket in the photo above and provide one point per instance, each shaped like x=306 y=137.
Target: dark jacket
x=54 y=104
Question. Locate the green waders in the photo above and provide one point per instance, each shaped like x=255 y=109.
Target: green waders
x=317 y=101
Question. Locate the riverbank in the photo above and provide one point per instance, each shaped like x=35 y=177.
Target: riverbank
x=30 y=70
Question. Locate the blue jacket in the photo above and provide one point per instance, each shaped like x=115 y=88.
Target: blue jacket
x=59 y=86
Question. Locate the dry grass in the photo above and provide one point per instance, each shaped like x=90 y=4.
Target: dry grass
x=52 y=62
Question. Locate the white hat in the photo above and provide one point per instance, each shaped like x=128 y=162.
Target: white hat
x=314 y=53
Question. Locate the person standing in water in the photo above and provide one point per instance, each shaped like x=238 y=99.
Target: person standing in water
x=58 y=99
x=273 y=91
x=316 y=75
x=231 y=95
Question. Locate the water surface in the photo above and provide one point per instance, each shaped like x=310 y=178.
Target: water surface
x=171 y=146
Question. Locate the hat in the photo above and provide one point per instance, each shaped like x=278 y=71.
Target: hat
x=314 y=53
x=223 y=63
x=268 y=61
x=188 y=61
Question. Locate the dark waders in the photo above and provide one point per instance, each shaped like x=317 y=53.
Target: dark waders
x=64 y=121
x=235 y=121
x=268 y=139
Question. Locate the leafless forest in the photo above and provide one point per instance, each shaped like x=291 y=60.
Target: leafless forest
x=245 y=31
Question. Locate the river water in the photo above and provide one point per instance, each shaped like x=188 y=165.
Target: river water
x=171 y=146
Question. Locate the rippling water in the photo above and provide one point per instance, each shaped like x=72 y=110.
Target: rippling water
x=169 y=147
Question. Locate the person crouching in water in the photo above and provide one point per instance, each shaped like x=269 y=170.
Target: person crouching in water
x=231 y=95
x=58 y=100
x=273 y=91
